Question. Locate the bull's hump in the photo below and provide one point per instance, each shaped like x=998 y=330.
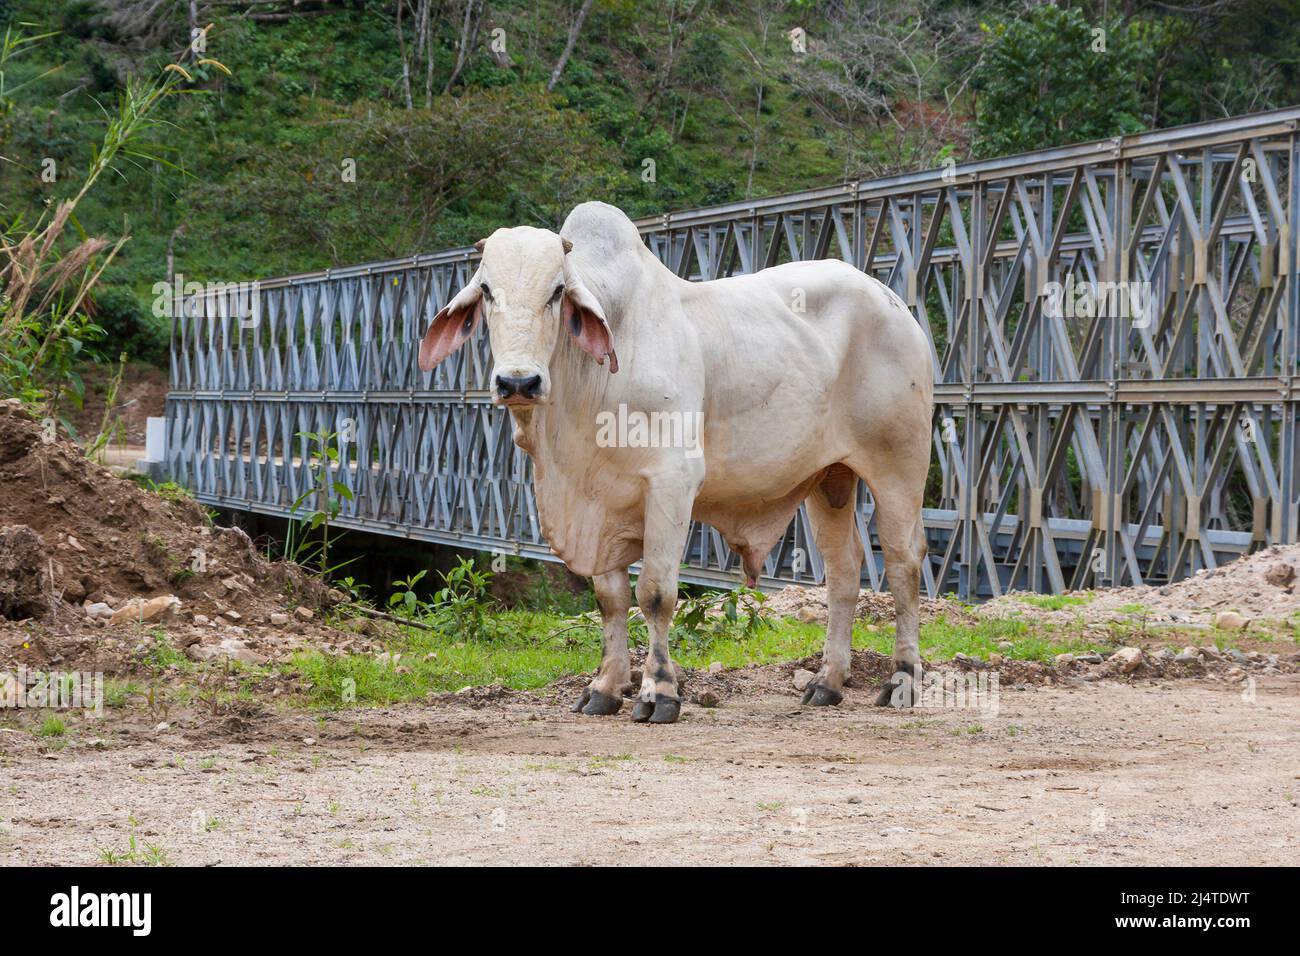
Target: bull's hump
x=602 y=225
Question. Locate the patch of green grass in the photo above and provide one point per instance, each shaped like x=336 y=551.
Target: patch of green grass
x=160 y=654
x=118 y=693
x=170 y=491
x=1132 y=609
x=531 y=649
x=139 y=852
x=526 y=654
x=942 y=638
x=784 y=640
x=1053 y=602
x=601 y=761
x=52 y=726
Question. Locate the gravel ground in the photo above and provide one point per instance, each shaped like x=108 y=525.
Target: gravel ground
x=1105 y=772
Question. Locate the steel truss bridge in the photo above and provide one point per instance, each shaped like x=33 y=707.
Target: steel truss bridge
x=1073 y=446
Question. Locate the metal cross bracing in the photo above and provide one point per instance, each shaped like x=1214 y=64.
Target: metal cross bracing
x=1136 y=441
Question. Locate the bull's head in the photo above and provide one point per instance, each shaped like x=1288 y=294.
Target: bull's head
x=525 y=288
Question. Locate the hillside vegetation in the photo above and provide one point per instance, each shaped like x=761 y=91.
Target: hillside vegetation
x=327 y=133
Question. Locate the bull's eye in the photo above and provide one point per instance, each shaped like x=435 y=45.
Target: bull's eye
x=487 y=293
x=555 y=296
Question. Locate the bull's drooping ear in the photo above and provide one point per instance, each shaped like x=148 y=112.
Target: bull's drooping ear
x=585 y=319
x=452 y=325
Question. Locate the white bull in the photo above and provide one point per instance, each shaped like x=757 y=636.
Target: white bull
x=802 y=377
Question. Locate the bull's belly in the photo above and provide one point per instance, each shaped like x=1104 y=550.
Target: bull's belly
x=770 y=468
x=752 y=526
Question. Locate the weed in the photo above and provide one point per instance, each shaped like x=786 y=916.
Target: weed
x=461 y=605
x=320 y=450
x=702 y=619
x=52 y=726
x=136 y=852
x=404 y=600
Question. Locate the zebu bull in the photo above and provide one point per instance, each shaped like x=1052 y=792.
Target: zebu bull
x=804 y=377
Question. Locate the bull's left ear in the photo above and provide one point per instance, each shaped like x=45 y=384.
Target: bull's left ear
x=585 y=319
x=453 y=324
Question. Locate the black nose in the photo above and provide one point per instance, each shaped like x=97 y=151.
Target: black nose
x=508 y=387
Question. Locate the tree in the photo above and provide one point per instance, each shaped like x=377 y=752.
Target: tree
x=892 y=78
x=508 y=150
x=572 y=40
x=1051 y=77
x=473 y=19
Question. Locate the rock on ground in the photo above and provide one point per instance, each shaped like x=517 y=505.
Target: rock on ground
x=1127 y=659
x=163 y=609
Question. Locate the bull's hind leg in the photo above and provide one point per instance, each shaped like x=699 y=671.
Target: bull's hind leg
x=902 y=538
x=667 y=523
x=831 y=512
x=604 y=695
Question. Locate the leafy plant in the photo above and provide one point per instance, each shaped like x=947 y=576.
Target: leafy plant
x=404 y=600
x=352 y=587
x=701 y=619
x=327 y=494
x=461 y=606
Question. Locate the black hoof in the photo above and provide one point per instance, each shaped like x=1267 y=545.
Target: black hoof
x=602 y=705
x=664 y=710
x=903 y=689
x=667 y=710
x=581 y=702
x=819 y=695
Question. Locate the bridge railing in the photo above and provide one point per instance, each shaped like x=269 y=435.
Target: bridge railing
x=1136 y=437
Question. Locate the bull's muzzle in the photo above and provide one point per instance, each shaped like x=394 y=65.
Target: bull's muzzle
x=521 y=390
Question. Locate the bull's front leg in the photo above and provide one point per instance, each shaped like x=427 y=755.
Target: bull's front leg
x=667 y=523
x=604 y=695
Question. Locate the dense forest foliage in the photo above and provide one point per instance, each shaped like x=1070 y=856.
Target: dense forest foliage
x=323 y=132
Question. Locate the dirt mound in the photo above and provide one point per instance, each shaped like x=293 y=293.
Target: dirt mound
x=74 y=535
x=809 y=604
x=1259 y=587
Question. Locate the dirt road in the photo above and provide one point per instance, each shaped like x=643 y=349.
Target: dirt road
x=1107 y=772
